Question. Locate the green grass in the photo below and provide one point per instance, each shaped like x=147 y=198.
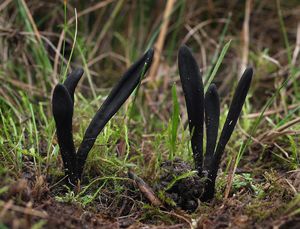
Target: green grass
x=174 y=123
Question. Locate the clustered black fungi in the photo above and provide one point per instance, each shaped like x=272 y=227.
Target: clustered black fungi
x=63 y=107
x=206 y=108
x=201 y=108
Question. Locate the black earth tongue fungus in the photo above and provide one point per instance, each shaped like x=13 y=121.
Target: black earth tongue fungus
x=212 y=116
x=186 y=192
x=62 y=108
x=194 y=97
x=111 y=105
x=231 y=120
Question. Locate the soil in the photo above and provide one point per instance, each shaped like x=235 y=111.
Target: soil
x=184 y=192
x=31 y=202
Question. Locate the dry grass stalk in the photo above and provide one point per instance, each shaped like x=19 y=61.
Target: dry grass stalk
x=5 y=4
x=161 y=38
x=27 y=211
x=245 y=37
x=34 y=27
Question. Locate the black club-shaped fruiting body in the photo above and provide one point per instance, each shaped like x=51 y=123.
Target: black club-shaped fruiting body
x=212 y=116
x=63 y=106
x=194 y=96
x=234 y=112
x=197 y=106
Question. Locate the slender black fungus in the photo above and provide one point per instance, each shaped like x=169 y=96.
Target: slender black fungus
x=197 y=105
x=62 y=106
x=231 y=120
x=194 y=97
x=187 y=191
x=212 y=116
x=112 y=104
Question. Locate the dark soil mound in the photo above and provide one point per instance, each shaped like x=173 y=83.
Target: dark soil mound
x=185 y=191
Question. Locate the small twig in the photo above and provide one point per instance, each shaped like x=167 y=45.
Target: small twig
x=23 y=86
x=145 y=189
x=281 y=149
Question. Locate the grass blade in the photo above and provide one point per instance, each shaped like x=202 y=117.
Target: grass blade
x=216 y=68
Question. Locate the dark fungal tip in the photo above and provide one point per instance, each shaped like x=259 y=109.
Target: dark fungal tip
x=249 y=70
x=72 y=81
x=79 y=71
x=184 y=54
x=247 y=76
x=150 y=53
x=61 y=102
x=212 y=88
x=58 y=91
x=184 y=49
